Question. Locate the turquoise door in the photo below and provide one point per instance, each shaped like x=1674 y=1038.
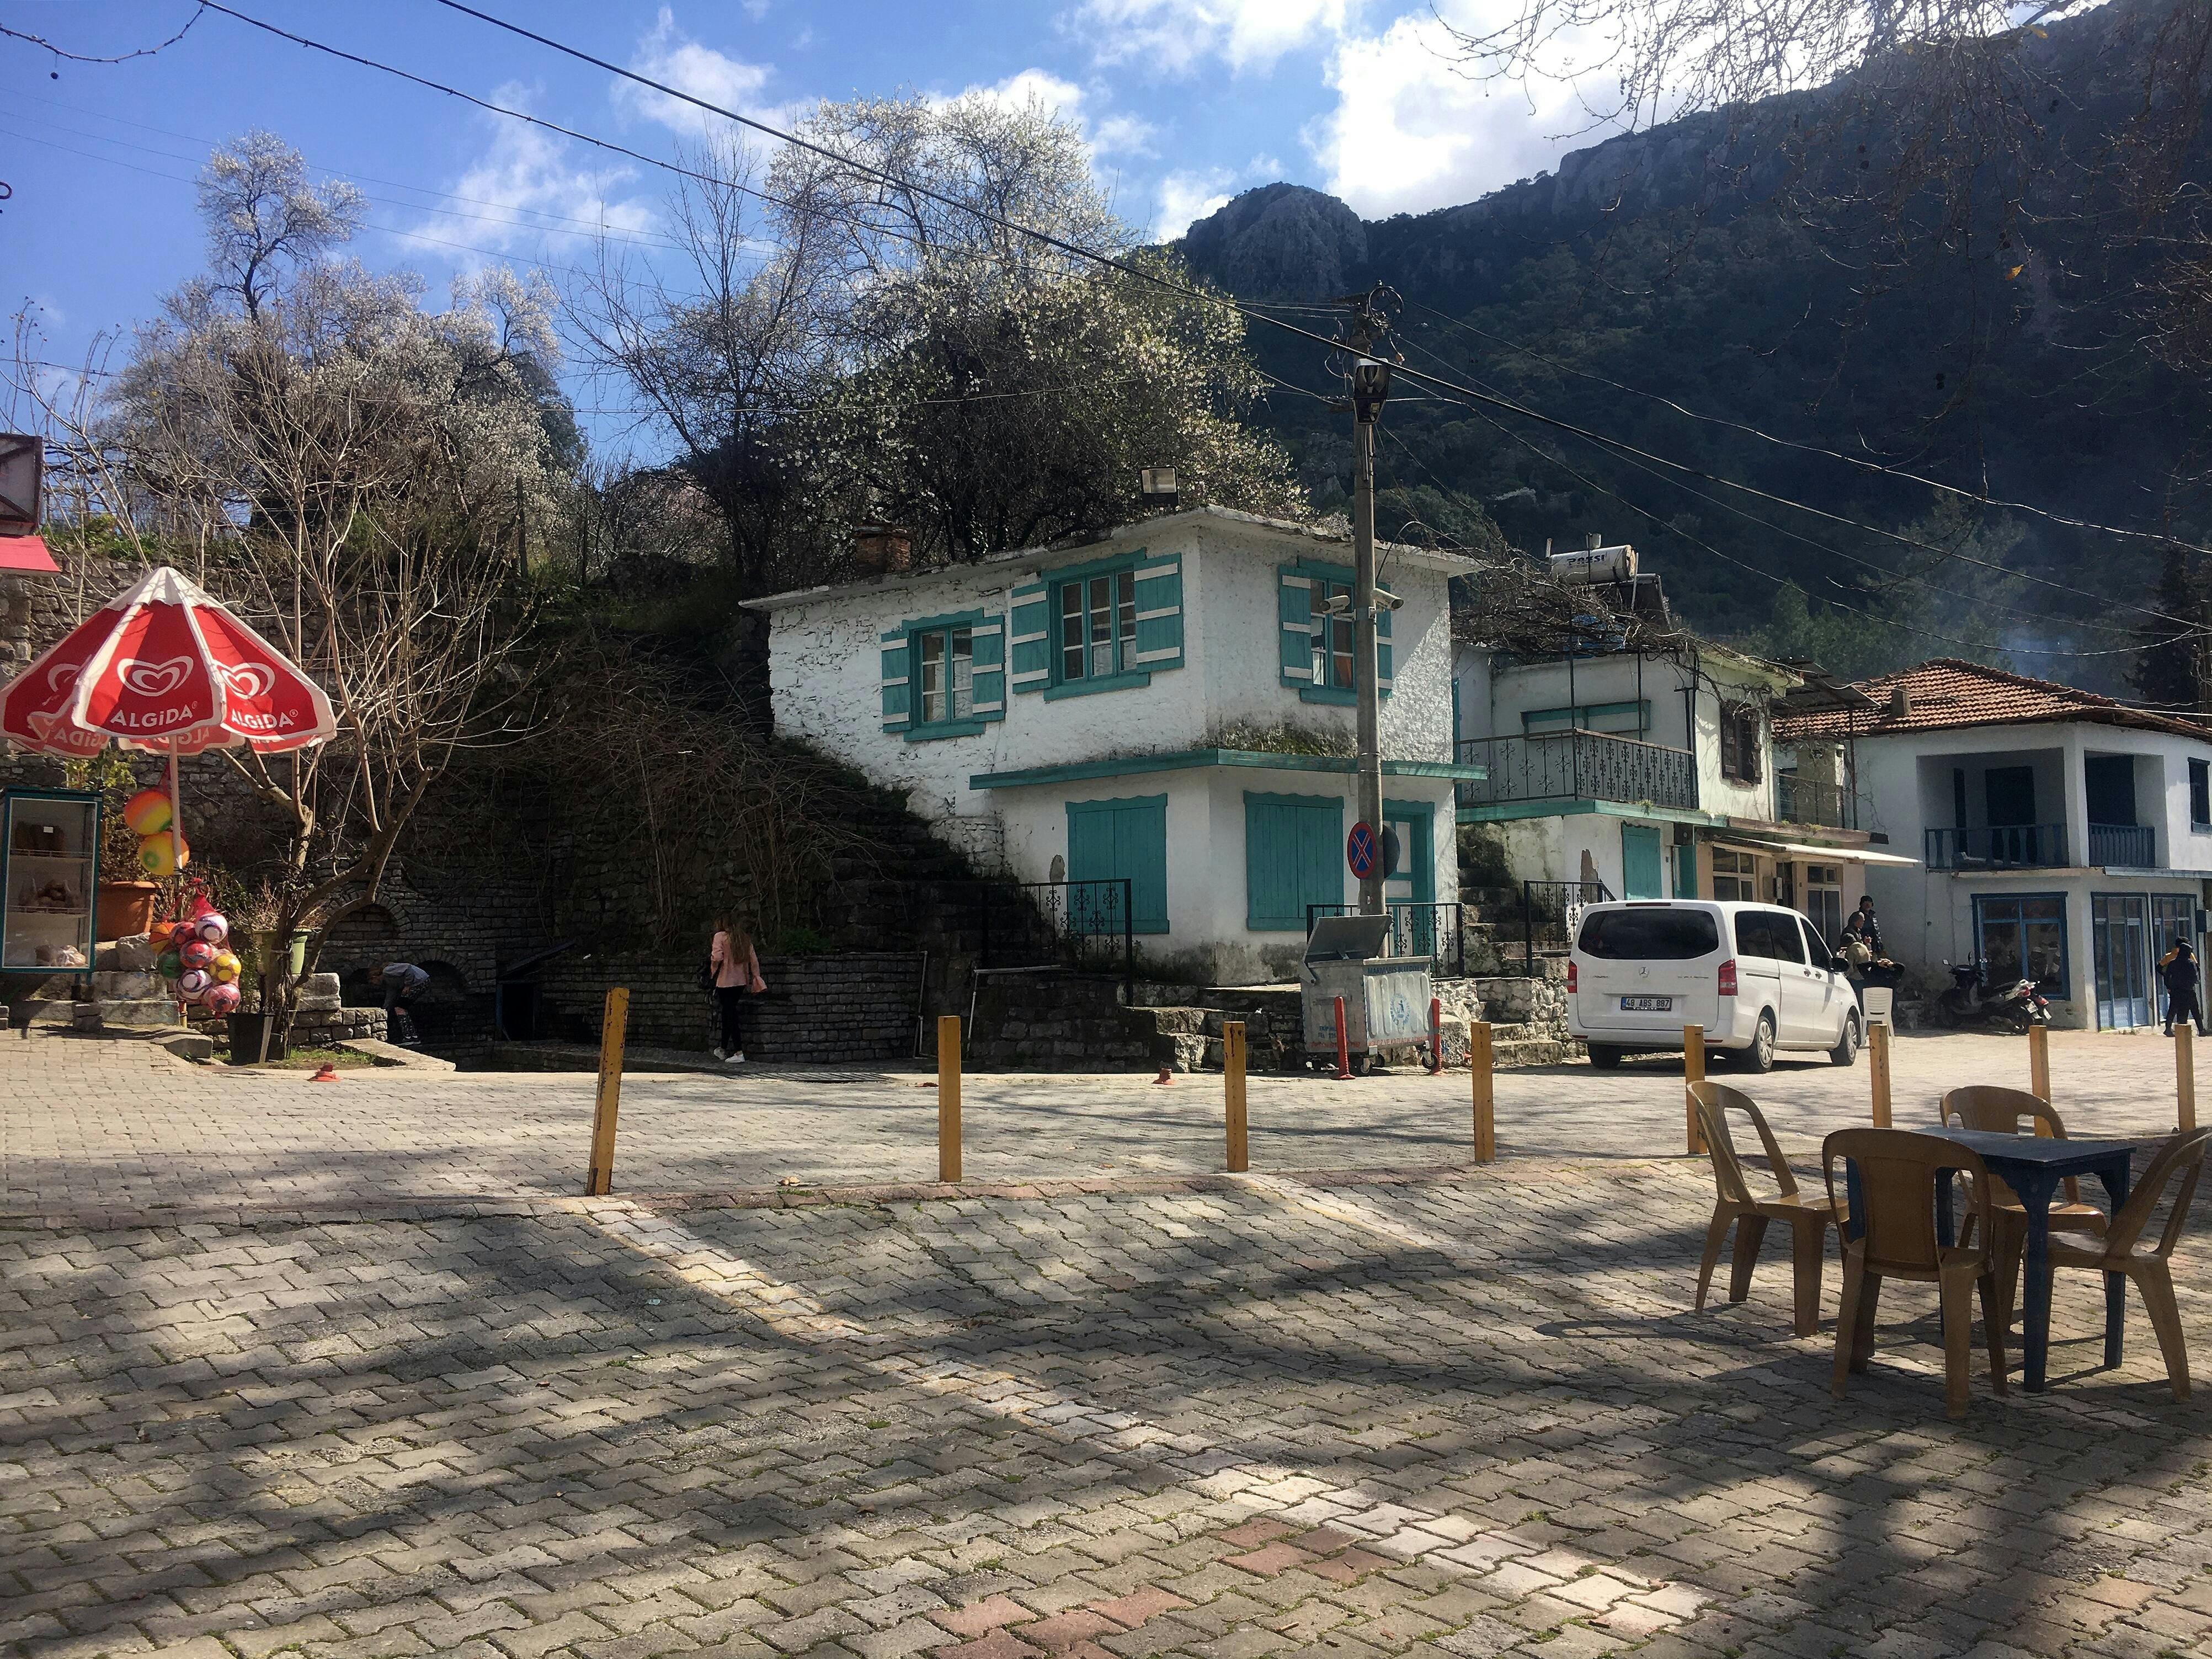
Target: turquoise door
x=1110 y=840
x=1293 y=858
x=1685 y=870
x=1409 y=891
x=1641 y=864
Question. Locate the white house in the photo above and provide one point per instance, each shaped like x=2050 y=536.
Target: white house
x=1170 y=704
x=2063 y=836
x=1650 y=768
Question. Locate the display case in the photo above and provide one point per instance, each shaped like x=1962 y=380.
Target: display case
x=49 y=879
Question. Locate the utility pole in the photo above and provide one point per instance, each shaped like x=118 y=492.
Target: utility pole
x=1368 y=372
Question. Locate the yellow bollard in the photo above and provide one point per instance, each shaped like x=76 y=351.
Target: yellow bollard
x=2038 y=1062
x=2184 y=1073
x=1877 y=1071
x=1693 y=1071
x=599 y=1177
x=1481 y=1061
x=1232 y=1090
x=948 y=1098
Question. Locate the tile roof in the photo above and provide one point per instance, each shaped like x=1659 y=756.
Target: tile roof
x=1947 y=692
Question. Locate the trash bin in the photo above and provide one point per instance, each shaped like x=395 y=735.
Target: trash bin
x=1385 y=998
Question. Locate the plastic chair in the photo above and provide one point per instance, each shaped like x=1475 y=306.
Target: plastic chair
x=2184 y=1156
x=1898 y=1171
x=1808 y=1219
x=1985 y=1106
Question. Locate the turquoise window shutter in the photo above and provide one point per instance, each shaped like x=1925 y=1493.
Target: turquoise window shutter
x=1294 y=617
x=1030 y=641
x=1383 y=659
x=1293 y=858
x=1118 y=839
x=1159 y=616
x=990 y=667
x=897 y=685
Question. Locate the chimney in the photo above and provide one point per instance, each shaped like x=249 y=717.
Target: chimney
x=1900 y=702
x=882 y=549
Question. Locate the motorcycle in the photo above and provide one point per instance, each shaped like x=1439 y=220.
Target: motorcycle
x=1969 y=1002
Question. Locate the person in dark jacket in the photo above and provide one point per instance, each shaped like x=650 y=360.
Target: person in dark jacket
x=2179 y=970
x=1860 y=925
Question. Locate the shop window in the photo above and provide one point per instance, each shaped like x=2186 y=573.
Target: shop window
x=1097 y=626
x=945 y=664
x=1734 y=875
x=1740 y=742
x=2200 y=794
x=2023 y=936
x=1823 y=902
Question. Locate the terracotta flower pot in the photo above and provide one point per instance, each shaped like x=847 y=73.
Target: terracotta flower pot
x=126 y=908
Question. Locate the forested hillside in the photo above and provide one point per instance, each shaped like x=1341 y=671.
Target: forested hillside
x=1994 y=332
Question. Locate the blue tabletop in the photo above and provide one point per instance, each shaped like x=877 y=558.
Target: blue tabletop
x=2049 y=1151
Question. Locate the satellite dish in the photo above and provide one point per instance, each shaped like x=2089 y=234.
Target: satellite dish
x=22 y=463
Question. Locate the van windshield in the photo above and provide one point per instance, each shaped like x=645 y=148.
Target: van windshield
x=1653 y=935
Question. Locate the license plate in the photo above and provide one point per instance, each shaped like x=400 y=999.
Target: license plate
x=1647 y=1005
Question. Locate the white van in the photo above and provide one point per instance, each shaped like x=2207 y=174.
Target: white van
x=1758 y=978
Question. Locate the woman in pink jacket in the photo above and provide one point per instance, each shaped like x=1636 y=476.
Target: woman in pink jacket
x=737 y=975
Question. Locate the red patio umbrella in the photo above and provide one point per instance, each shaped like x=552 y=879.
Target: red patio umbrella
x=165 y=669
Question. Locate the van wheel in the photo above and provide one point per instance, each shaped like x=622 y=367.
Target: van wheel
x=1604 y=1056
x=1846 y=1051
x=1759 y=1056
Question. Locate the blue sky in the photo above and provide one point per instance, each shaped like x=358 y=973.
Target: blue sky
x=1183 y=101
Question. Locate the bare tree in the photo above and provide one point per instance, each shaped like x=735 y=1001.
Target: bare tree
x=348 y=465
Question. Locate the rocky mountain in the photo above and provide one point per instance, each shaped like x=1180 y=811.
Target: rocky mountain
x=1748 y=267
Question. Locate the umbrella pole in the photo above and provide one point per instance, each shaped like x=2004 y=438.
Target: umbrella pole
x=176 y=845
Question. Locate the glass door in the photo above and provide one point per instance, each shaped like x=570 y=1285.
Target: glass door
x=52 y=843
x=2172 y=922
x=2119 y=931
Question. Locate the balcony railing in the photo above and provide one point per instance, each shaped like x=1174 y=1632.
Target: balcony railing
x=2040 y=847
x=1578 y=766
x=1998 y=847
x=1807 y=800
x=2128 y=846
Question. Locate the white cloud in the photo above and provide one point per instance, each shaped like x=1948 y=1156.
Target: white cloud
x=1410 y=132
x=524 y=192
x=1174 y=37
x=1125 y=135
x=666 y=55
x=1188 y=196
x=1107 y=135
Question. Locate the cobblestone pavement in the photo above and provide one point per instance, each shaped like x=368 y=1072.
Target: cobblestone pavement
x=1444 y=1410
x=1467 y=1415
x=89 y=1125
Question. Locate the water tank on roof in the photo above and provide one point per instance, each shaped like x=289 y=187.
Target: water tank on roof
x=1596 y=564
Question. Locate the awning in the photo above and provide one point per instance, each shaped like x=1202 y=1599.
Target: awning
x=27 y=553
x=1801 y=850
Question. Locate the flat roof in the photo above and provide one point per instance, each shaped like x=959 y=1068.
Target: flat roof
x=1451 y=564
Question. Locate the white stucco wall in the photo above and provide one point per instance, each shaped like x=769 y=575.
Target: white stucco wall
x=1207 y=938
x=825 y=683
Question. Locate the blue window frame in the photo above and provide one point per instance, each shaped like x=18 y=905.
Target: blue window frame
x=1317 y=637
x=1123 y=840
x=2023 y=936
x=944 y=677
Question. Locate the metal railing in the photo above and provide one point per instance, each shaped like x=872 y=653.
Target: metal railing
x=2128 y=846
x=1578 y=766
x=1437 y=932
x=1549 y=910
x=1997 y=847
x=1077 y=926
x=1807 y=801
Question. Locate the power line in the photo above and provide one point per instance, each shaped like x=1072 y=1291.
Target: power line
x=1852 y=558
x=1764 y=436
x=120 y=57
x=1064 y=246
